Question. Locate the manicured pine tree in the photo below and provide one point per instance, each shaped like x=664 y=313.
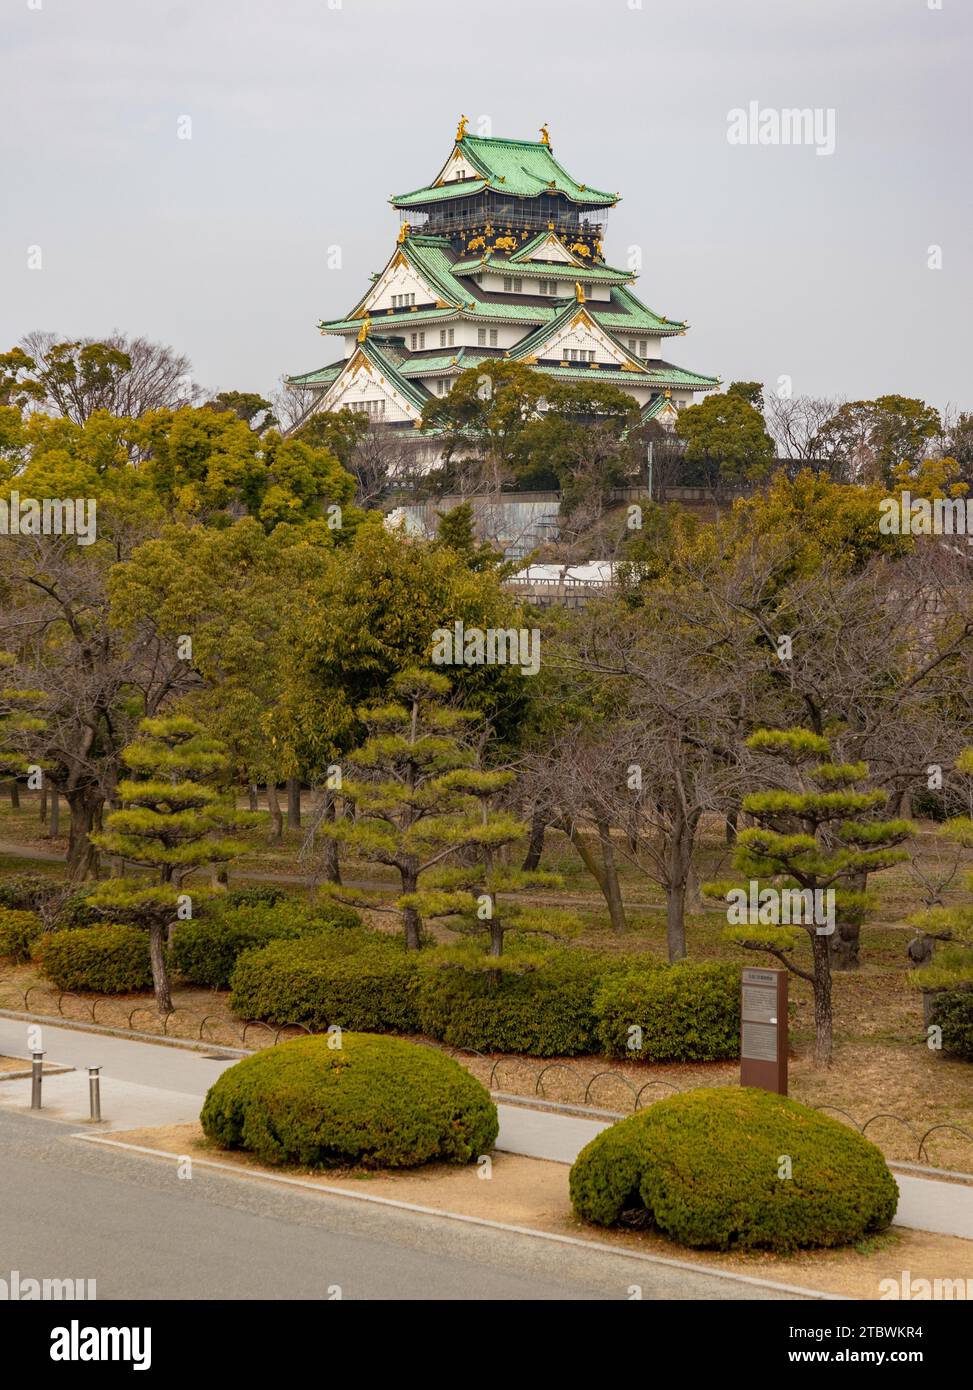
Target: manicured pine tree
x=18 y=720
x=952 y=968
x=174 y=818
x=466 y=895
x=817 y=837
x=414 y=792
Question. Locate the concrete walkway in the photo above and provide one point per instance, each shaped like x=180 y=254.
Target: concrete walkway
x=146 y=1084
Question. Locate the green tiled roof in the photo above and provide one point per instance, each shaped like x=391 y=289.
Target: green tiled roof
x=519 y=168
x=324 y=376
x=416 y=395
x=629 y=312
x=548 y=270
x=458 y=361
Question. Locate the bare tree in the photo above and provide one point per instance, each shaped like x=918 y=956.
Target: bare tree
x=125 y=376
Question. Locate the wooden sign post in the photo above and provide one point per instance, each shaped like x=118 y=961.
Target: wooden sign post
x=763 y=1030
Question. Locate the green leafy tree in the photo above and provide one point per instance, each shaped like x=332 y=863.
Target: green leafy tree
x=457 y=532
x=726 y=438
x=482 y=418
x=869 y=439
x=172 y=820
x=248 y=406
x=820 y=835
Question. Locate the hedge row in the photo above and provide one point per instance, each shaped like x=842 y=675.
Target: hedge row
x=107 y=959
x=205 y=950
x=560 y=1003
x=19 y=929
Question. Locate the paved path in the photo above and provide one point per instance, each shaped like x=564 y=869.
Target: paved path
x=146 y=1083
x=86 y=1212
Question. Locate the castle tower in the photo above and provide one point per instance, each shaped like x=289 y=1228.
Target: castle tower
x=500 y=256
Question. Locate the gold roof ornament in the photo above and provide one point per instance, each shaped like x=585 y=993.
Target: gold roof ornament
x=545 y=135
x=461 y=128
x=668 y=394
x=403 y=232
x=579 y=291
x=366 y=324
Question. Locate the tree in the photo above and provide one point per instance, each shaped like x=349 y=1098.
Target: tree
x=795 y=423
x=457 y=532
x=952 y=968
x=253 y=409
x=413 y=809
x=121 y=375
x=171 y=821
x=580 y=439
x=868 y=439
x=818 y=834
x=482 y=418
x=727 y=439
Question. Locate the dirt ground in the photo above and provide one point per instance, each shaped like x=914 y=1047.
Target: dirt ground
x=534 y=1192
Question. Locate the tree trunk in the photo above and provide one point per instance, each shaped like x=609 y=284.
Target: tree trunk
x=820 y=948
x=595 y=869
x=845 y=940
x=613 y=892
x=82 y=855
x=535 y=845
x=679 y=853
x=331 y=861
x=293 y=803
x=276 y=816
x=731 y=827
x=252 y=794
x=411 y=921
x=55 y=827
x=14 y=794
x=42 y=807
x=160 y=976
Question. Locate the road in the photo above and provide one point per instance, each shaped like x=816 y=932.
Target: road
x=76 y=1210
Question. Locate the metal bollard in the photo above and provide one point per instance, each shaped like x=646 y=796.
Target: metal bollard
x=36 y=1073
x=94 y=1091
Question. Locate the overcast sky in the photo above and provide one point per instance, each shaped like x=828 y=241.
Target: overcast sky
x=306 y=115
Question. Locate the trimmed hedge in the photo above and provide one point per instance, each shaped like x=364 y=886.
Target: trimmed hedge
x=206 y=949
x=26 y=891
x=108 y=960
x=18 y=931
x=379 y=1102
x=953 y=1011
x=705 y=1168
x=686 y=1013
x=349 y=976
x=544 y=1009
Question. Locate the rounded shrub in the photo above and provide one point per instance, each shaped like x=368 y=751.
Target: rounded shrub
x=541 y=1005
x=734 y=1167
x=379 y=1102
x=353 y=977
x=952 y=1010
x=206 y=949
x=684 y=1013
x=19 y=930
x=108 y=960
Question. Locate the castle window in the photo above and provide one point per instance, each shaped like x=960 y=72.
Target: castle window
x=493 y=337
x=513 y=283
x=372 y=408
x=547 y=287
x=447 y=337
x=402 y=301
x=481 y=337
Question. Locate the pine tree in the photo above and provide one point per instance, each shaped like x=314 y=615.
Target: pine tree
x=415 y=793
x=953 y=967
x=18 y=720
x=467 y=894
x=816 y=837
x=173 y=819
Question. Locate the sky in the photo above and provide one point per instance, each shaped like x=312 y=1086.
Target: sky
x=305 y=116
